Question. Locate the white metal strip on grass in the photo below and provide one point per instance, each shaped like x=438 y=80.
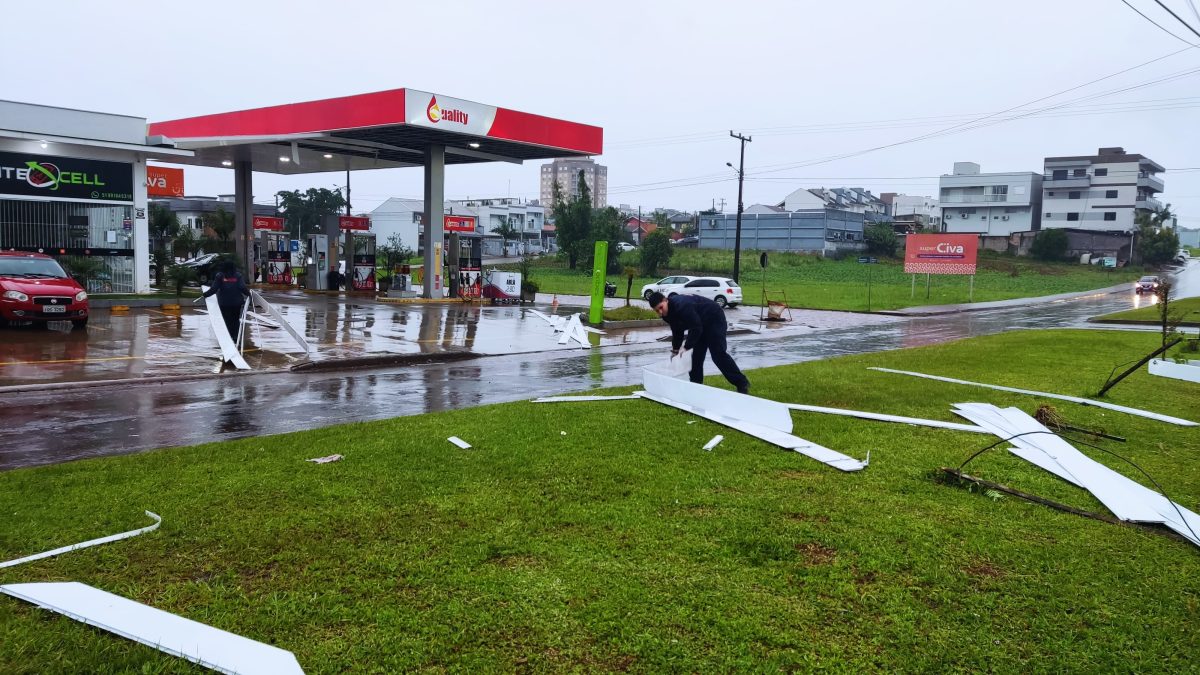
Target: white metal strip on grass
x=713 y=443
x=1061 y=397
x=781 y=438
x=881 y=417
x=459 y=442
x=170 y=633
x=229 y=351
x=577 y=399
x=1188 y=372
x=722 y=402
x=87 y=544
x=1127 y=499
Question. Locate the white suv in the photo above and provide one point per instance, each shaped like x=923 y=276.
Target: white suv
x=667 y=286
x=724 y=292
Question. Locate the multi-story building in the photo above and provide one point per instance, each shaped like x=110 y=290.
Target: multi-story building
x=911 y=212
x=995 y=204
x=527 y=217
x=191 y=211
x=566 y=173
x=1102 y=192
x=853 y=200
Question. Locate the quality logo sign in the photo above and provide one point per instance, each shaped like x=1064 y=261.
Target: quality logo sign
x=436 y=114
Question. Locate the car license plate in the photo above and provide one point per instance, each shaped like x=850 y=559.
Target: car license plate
x=54 y=309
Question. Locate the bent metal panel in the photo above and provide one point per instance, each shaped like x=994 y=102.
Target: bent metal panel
x=940 y=253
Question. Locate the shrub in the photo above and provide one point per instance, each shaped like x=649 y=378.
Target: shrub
x=881 y=239
x=1050 y=245
x=656 y=252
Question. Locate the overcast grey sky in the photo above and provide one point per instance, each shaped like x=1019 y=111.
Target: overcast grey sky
x=666 y=80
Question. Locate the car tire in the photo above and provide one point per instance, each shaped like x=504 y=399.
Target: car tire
x=80 y=323
x=646 y=295
x=721 y=301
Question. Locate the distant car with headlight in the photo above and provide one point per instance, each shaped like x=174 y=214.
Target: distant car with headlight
x=1147 y=284
x=34 y=287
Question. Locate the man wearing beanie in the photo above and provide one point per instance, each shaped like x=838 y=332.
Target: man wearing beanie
x=704 y=322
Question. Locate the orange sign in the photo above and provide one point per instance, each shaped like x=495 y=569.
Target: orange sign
x=940 y=253
x=268 y=223
x=458 y=223
x=164 y=182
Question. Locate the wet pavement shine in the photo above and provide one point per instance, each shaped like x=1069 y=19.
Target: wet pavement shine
x=148 y=408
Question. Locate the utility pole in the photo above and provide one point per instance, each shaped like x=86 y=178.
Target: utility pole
x=741 y=172
x=347 y=190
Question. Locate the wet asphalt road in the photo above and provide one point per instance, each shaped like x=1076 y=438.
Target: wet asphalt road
x=45 y=427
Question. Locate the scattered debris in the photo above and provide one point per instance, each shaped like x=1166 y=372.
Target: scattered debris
x=1189 y=371
x=229 y=350
x=459 y=442
x=571 y=328
x=325 y=460
x=1061 y=397
x=1049 y=416
x=1112 y=382
x=579 y=399
x=562 y=433
x=261 y=303
x=766 y=420
x=1128 y=500
x=916 y=421
x=170 y=633
x=713 y=443
x=87 y=544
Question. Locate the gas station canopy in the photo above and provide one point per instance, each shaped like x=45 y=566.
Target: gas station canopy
x=380 y=130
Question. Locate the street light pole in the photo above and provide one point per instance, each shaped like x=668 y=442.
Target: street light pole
x=741 y=172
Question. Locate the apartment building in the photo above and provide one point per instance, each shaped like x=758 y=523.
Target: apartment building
x=566 y=173
x=991 y=204
x=1102 y=192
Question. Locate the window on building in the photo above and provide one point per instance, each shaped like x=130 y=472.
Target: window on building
x=1110 y=215
x=1080 y=173
x=1060 y=174
x=1101 y=172
x=1110 y=194
x=1074 y=215
x=1048 y=215
x=1050 y=193
x=1073 y=194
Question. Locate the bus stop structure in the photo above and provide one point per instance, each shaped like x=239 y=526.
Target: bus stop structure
x=382 y=130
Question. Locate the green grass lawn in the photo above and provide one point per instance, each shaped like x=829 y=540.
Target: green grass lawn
x=1187 y=309
x=820 y=283
x=630 y=313
x=621 y=545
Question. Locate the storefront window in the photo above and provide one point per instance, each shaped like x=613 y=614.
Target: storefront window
x=103 y=233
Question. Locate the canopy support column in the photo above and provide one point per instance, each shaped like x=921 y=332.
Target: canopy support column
x=434 y=216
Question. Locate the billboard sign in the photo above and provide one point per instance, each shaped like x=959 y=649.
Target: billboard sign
x=354 y=223
x=164 y=182
x=65 y=178
x=458 y=223
x=940 y=253
x=268 y=223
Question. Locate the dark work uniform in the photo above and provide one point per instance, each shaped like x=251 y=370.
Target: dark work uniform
x=704 y=322
x=230 y=289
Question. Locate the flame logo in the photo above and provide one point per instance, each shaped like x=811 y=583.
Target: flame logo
x=433 y=112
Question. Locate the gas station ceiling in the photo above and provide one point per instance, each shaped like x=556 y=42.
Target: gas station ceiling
x=374 y=131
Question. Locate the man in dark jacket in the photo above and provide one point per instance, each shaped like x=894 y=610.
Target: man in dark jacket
x=704 y=321
x=230 y=289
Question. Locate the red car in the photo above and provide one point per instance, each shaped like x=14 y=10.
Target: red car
x=34 y=287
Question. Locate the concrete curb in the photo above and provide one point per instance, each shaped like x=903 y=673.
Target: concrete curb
x=1137 y=322
x=636 y=323
x=382 y=361
x=133 y=303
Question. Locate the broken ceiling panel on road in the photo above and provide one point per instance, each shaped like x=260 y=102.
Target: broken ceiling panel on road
x=1061 y=397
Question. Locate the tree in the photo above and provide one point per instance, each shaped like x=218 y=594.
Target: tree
x=303 y=212
x=656 y=251
x=506 y=232
x=1157 y=242
x=393 y=250
x=881 y=239
x=606 y=226
x=186 y=243
x=163 y=226
x=573 y=222
x=1049 y=245
x=222 y=224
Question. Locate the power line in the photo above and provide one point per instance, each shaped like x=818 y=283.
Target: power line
x=1178 y=18
x=1158 y=25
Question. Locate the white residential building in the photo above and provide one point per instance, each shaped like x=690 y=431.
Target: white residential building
x=526 y=217
x=566 y=173
x=993 y=204
x=1102 y=192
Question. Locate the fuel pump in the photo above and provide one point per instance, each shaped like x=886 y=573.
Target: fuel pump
x=361 y=253
x=274 y=247
x=317 y=262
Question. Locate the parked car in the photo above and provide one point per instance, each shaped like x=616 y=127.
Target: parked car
x=1147 y=284
x=668 y=286
x=205 y=266
x=623 y=246
x=724 y=292
x=34 y=287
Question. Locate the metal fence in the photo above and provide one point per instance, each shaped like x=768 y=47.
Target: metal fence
x=70 y=229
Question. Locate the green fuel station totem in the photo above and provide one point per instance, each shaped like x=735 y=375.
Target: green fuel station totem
x=599 y=268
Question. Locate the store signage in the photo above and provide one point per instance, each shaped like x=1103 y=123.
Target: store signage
x=940 y=253
x=459 y=223
x=65 y=178
x=424 y=109
x=164 y=182
x=268 y=223
x=354 y=223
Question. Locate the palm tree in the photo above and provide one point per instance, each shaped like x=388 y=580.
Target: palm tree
x=506 y=232
x=164 y=226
